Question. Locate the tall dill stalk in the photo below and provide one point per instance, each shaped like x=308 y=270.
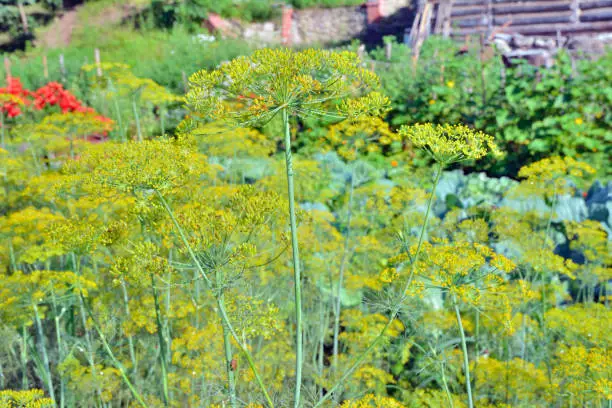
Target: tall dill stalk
x=227 y=348
x=466 y=363
x=299 y=348
x=397 y=308
x=43 y=350
x=110 y=353
x=162 y=343
x=129 y=337
x=58 y=339
x=220 y=304
x=24 y=357
x=343 y=262
x=137 y=119
x=76 y=261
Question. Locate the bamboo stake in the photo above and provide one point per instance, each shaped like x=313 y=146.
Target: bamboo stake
x=62 y=68
x=7 y=68
x=45 y=67
x=98 y=63
x=185 y=82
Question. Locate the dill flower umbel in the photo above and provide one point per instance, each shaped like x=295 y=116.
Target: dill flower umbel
x=552 y=175
x=450 y=143
x=26 y=399
x=159 y=164
x=251 y=90
x=364 y=136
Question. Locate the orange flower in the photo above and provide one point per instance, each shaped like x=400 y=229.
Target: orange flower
x=394 y=163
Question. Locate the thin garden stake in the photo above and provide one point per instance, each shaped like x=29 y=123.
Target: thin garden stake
x=7 y=68
x=62 y=67
x=45 y=67
x=98 y=62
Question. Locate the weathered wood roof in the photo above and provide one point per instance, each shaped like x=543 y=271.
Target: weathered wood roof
x=528 y=17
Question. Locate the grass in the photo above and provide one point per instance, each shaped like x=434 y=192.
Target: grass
x=163 y=56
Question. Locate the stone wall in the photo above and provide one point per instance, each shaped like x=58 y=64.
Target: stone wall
x=311 y=26
x=326 y=25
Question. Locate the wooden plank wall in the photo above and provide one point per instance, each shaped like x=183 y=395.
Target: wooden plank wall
x=529 y=17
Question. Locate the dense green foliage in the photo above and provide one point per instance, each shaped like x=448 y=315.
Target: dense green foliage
x=533 y=112
x=149 y=237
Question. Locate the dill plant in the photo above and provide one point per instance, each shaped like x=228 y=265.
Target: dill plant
x=252 y=90
x=446 y=145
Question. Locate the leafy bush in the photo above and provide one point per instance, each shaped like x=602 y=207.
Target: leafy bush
x=533 y=112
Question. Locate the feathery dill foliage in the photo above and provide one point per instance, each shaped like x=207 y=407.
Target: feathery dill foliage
x=155 y=273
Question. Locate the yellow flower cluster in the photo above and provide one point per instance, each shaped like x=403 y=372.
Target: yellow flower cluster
x=551 y=176
x=159 y=164
x=463 y=269
x=250 y=90
x=582 y=324
x=231 y=143
x=117 y=77
x=372 y=401
x=25 y=399
x=352 y=139
x=585 y=373
x=515 y=380
x=449 y=143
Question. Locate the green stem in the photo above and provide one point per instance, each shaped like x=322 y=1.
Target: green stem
x=231 y=381
x=338 y=305
x=446 y=390
x=162 y=343
x=397 y=308
x=466 y=363
x=227 y=347
x=476 y=347
x=119 y=120
x=162 y=121
x=72 y=155
x=24 y=357
x=129 y=337
x=43 y=349
x=2 y=142
x=112 y=356
x=296 y=262
x=137 y=119
x=76 y=263
x=3 y=146
x=220 y=304
x=58 y=339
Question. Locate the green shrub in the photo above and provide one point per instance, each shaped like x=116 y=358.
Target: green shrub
x=532 y=112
